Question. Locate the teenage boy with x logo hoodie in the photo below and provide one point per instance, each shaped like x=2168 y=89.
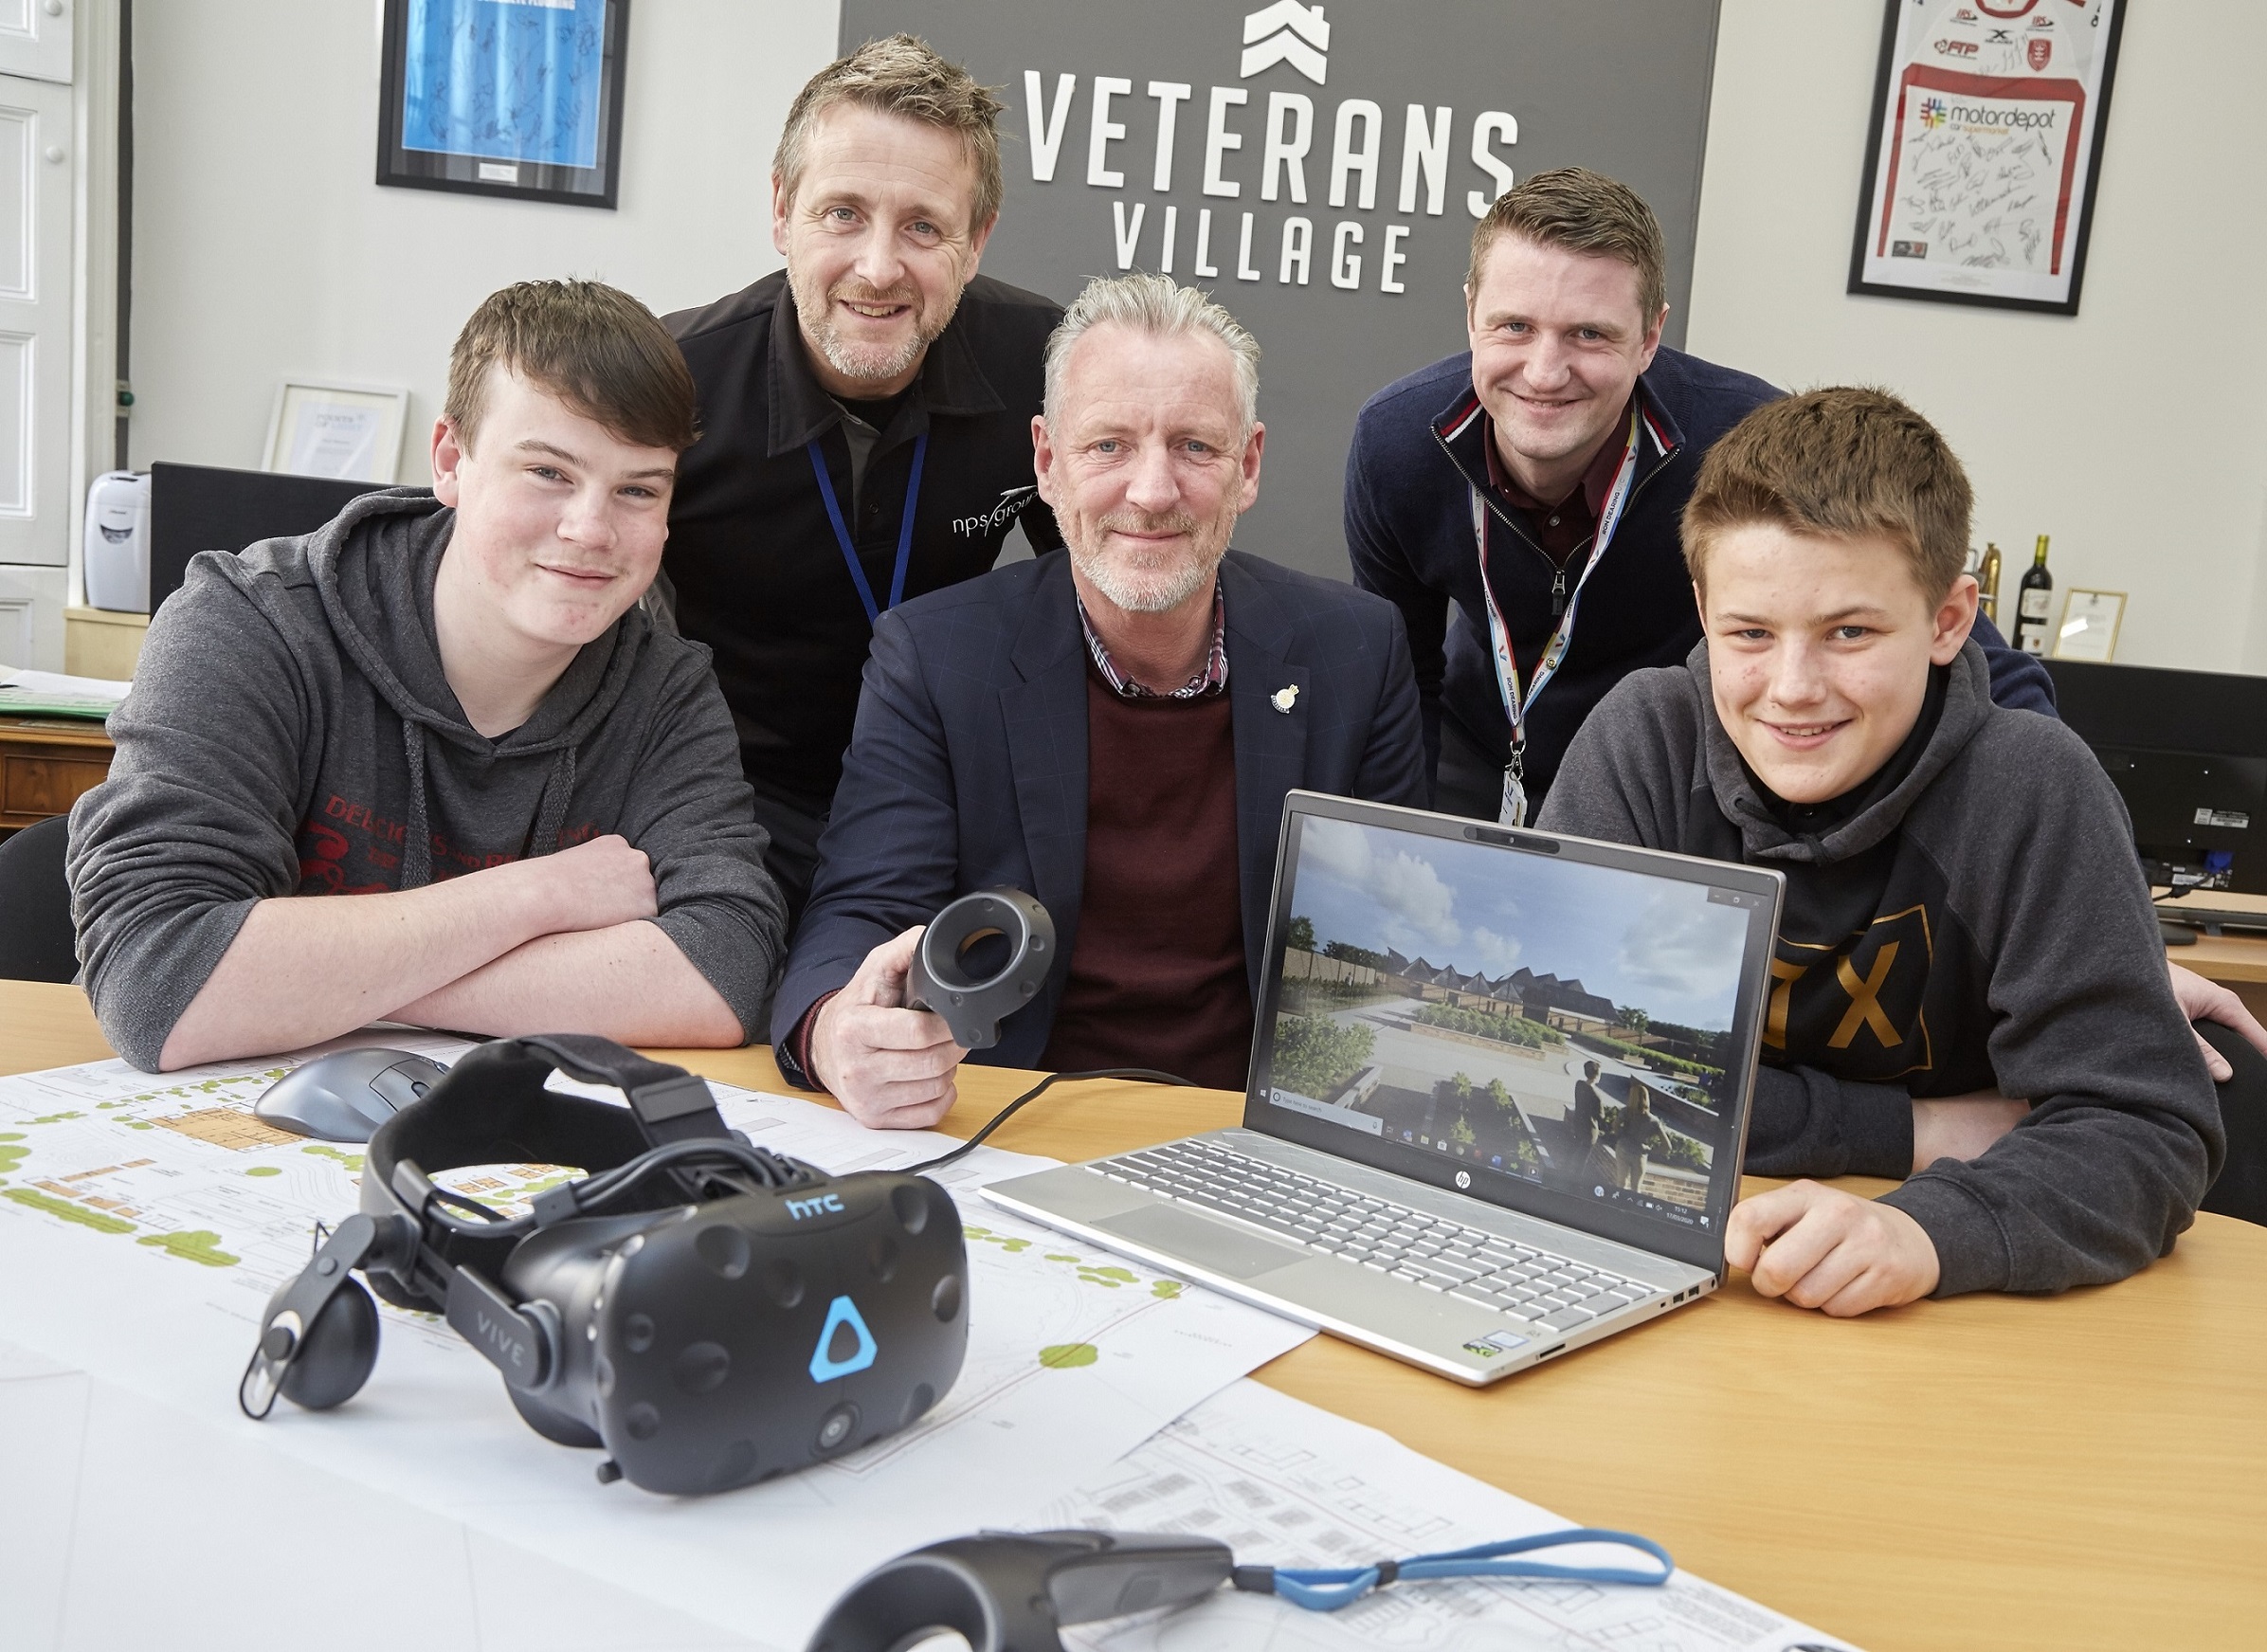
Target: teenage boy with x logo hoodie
x=1969 y=992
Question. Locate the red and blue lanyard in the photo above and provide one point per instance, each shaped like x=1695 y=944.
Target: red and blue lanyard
x=841 y=530
x=1517 y=705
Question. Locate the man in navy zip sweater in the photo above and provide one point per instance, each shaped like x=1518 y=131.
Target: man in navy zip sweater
x=1527 y=435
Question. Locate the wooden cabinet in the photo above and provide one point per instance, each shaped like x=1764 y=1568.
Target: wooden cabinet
x=46 y=765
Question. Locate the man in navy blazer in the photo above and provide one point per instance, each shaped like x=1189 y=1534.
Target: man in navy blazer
x=1111 y=727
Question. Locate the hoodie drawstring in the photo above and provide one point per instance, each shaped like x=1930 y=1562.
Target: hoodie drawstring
x=550 y=808
x=417 y=835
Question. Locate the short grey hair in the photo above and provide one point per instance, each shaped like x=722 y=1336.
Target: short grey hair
x=1161 y=307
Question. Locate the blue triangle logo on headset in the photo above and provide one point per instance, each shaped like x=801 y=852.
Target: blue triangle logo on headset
x=842 y=1314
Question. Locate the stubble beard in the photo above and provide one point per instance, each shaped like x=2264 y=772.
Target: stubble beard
x=816 y=311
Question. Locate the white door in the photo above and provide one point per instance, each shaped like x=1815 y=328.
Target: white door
x=36 y=168
x=35 y=39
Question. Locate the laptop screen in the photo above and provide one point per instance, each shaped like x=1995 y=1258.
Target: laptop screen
x=1559 y=1025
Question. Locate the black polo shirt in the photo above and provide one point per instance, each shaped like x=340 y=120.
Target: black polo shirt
x=756 y=571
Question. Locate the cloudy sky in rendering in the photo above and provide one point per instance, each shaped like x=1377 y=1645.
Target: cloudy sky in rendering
x=1660 y=946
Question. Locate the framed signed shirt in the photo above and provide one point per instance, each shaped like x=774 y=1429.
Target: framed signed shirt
x=1985 y=147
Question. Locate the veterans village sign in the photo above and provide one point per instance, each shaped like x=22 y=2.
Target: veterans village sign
x=1318 y=168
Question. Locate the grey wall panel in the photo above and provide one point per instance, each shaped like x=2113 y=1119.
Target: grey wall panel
x=1620 y=86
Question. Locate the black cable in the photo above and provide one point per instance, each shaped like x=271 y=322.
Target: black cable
x=484 y=1212
x=1149 y=1074
x=593 y=1193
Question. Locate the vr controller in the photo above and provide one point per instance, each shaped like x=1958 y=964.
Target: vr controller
x=973 y=1001
x=1012 y=1592
x=708 y=1313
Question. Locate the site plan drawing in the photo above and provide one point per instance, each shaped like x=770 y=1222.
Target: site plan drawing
x=165 y=1198
x=1284 y=1483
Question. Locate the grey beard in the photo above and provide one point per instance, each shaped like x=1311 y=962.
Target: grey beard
x=1157 y=592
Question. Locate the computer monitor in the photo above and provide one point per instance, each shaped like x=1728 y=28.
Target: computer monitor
x=2187 y=752
x=202 y=507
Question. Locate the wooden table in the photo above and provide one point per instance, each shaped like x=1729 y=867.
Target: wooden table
x=46 y=764
x=1989 y=1472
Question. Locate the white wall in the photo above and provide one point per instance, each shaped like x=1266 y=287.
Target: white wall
x=262 y=249
x=2134 y=433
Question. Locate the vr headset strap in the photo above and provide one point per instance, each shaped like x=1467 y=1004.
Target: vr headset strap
x=671 y=1103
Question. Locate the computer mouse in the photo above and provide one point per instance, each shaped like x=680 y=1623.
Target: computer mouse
x=345 y=1095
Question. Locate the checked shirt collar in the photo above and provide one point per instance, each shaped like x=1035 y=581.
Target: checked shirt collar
x=1213 y=678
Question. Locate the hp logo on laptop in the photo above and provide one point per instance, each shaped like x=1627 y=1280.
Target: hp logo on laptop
x=1463 y=1178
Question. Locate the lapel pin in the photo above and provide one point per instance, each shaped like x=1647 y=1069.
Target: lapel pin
x=1284 y=699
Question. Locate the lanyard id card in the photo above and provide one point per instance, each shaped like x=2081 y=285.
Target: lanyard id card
x=1516 y=704
x=841 y=530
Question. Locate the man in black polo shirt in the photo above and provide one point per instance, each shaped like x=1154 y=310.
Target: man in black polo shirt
x=1519 y=501
x=865 y=417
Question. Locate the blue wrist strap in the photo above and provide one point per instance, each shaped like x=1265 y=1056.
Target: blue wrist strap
x=1327 y=1590
x=842 y=529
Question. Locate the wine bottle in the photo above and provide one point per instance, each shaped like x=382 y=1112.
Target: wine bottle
x=1988 y=577
x=2031 y=621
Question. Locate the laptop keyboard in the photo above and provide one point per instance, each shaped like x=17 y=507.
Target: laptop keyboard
x=1435 y=1252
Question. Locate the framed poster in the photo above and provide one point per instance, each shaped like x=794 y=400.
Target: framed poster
x=516 y=98
x=2089 y=628
x=1987 y=139
x=351 y=433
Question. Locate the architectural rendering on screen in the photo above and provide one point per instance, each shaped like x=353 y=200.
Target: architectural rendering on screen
x=1569 y=1024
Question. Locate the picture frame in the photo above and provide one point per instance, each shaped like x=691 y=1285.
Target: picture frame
x=522 y=100
x=351 y=433
x=2090 y=624
x=1984 y=149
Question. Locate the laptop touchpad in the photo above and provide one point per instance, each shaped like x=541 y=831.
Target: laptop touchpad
x=1210 y=1245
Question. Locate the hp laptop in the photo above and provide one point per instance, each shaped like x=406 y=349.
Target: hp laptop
x=1498 y=1094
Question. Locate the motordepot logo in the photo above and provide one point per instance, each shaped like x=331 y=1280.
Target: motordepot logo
x=1991 y=118
x=1367 y=173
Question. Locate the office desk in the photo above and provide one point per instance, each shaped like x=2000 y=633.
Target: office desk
x=46 y=764
x=2084 y=1471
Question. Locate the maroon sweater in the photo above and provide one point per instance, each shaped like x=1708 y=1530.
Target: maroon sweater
x=1157 y=974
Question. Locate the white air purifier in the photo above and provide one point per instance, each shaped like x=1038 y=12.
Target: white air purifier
x=118 y=541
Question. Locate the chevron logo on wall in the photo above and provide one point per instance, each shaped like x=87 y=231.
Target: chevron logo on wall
x=1287 y=32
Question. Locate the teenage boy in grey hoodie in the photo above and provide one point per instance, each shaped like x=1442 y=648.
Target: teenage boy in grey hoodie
x=1969 y=991
x=446 y=711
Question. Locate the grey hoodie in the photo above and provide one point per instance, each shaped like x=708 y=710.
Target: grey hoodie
x=1981 y=921
x=290 y=731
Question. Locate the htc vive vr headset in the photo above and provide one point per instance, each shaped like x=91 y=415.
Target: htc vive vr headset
x=708 y=1313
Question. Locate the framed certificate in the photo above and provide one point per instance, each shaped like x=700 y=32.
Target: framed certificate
x=519 y=98
x=2089 y=628
x=351 y=432
x=1985 y=146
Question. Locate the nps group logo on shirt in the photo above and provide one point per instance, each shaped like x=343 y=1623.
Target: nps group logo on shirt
x=1012 y=503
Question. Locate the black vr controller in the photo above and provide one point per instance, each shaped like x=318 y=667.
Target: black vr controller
x=953 y=974
x=709 y=1313
x=1009 y=1591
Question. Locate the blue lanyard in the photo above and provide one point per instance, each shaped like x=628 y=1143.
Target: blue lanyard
x=841 y=531
x=1322 y=1589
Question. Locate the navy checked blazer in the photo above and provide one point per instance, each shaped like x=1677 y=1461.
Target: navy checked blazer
x=967 y=769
